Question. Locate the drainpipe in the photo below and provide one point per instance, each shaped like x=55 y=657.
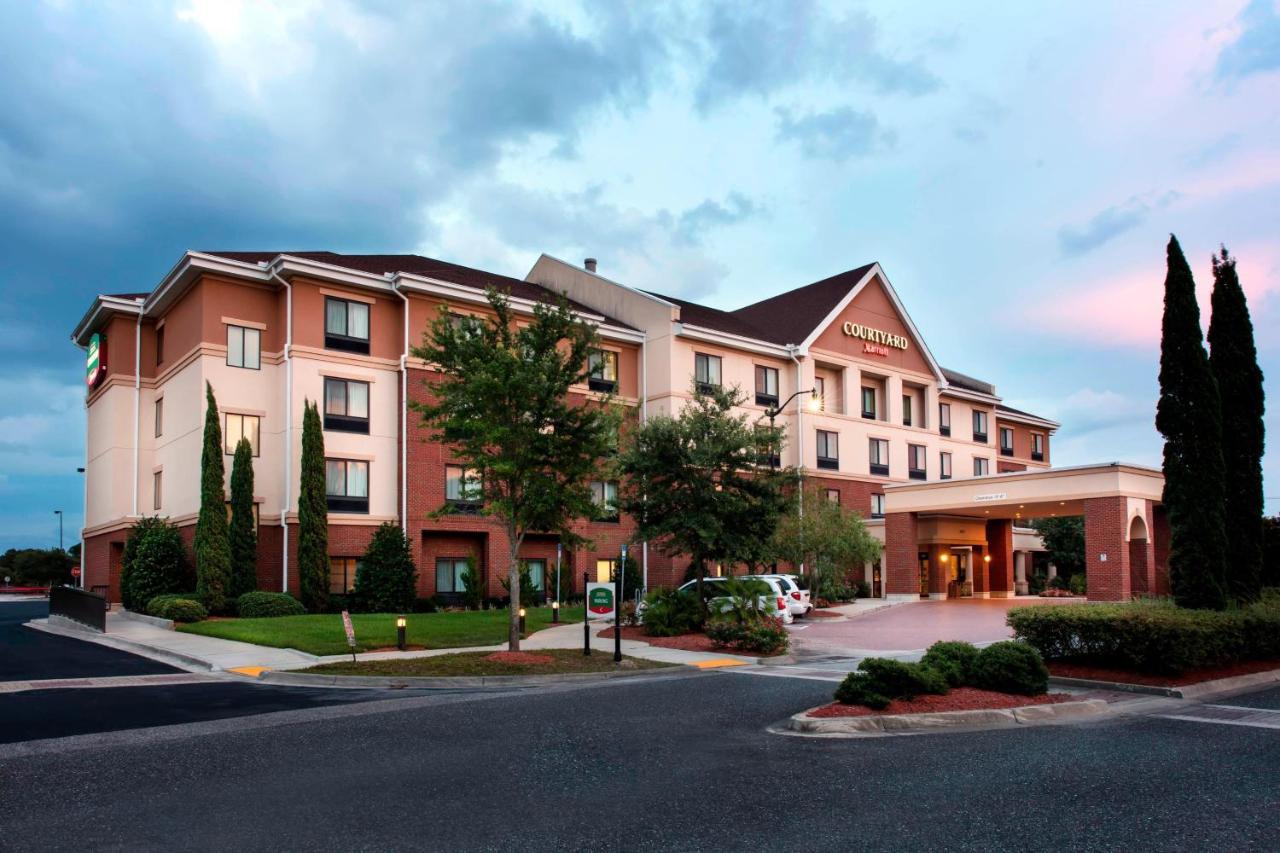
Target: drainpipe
x=644 y=416
x=137 y=408
x=288 y=431
x=404 y=416
x=791 y=351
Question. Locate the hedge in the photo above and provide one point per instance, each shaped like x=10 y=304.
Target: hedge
x=1150 y=637
x=159 y=601
x=258 y=604
x=1010 y=667
x=879 y=681
x=178 y=609
x=952 y=659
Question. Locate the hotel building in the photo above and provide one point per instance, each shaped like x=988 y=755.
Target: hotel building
x=876 y=417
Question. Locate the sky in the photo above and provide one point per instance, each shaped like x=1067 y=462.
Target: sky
x=1016 y=172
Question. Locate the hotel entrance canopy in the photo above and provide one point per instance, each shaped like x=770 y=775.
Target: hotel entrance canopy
x=1126 y=534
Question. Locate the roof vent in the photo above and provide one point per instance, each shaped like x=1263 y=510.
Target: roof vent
x=590 y=264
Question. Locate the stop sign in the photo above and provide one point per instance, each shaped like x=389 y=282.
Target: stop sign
x=75 y=573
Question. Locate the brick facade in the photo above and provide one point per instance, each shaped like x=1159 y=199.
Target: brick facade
x=902 y=573
x=1000 y=549
x=1106 y=551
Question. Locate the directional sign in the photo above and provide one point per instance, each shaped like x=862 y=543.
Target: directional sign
x=600 y=600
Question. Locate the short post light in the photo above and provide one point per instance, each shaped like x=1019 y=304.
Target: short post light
x=401 y=624
x=555 y=612
x=522 y=622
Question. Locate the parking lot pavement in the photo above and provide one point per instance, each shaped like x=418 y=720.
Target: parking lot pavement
x=1268 y=700
x=31 y=655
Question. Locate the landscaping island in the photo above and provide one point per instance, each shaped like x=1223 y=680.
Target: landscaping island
x=540 y=662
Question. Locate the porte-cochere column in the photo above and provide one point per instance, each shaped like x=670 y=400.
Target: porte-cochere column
x=902 y=571
x=1106 y=548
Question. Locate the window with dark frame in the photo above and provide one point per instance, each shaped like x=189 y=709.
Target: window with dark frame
x=346 y=485
x=462 y=488
x=980 y=427
x=342 y=574
x=1037 y=446
x=156 y=483
x=602 y=364
x=877 y=505
x=820 y=393
x=916 y=462
x=906 y=410
x=878 y=453
x=604 y=494
x=944 y=418
x=244 y=347
x=346 y=325
x=449 y=574
x=766 y=385
x=706 y=372
x=1006 y=441
x=833 y=496
x=159 y=416
x=944 y=465
x=346 y=405
x=869 y=403
x=828 y=450
x=238 y=426
x=537 y=573
x=981 y=466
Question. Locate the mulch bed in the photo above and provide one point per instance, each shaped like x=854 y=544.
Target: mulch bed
x=685 y=642
x=1122 y=676
x=823 y=614
x=521 y=658
x=959 y=699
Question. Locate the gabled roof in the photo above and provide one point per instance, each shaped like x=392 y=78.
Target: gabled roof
x=711 y=318
x=790 y=317
x=968 y=383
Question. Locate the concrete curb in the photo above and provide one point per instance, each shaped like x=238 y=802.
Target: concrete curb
x=885 y=724
x=1202 y=690
x=181 y=661
x=457 y=682
x=72 y=625
x=154 y=621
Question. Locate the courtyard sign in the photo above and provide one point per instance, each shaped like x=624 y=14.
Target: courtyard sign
x=874 y=337
x=600 y=600
x=96 y=361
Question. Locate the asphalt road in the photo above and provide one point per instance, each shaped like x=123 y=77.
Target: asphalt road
x=26 y=654
x=669 y=763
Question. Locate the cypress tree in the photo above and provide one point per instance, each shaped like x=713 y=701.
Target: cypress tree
x=243 y=534
x=213 y=550
x=1189 y=417
x=1234 y=360
x=313 y=515
x=387 y=579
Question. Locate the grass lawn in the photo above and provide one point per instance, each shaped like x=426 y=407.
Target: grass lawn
x=321 y=634
x=475 y=663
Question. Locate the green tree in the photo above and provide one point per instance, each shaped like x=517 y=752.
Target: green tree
x=1189 y=417
x=387 y=579
x=1234 y=360
x=212 y=546
x=313 y=515
x=501 y=402
x=1271 y=551
x=827 y=539
x=1064 y=540
x=243 y=534
x=154 y=563
x=37 y=566
x=695 y=486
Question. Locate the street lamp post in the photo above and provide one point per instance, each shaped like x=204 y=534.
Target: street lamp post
x=58 y=513
x=773 y=411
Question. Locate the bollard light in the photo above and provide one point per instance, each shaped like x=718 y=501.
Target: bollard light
x=521 y=621
x=401 y=622
x=555 y=612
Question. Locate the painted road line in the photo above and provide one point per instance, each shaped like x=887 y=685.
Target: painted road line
x=717 y=663
x=105 y=681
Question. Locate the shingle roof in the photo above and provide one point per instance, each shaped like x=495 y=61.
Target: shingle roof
x=790 y=317
x=960 y=380
x=423 y=266
x=1001 y=407
x=712 y=318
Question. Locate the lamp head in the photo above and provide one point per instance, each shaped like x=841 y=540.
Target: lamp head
x=401 y=621
x=521 y=612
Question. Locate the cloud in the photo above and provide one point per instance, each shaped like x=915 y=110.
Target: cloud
x=1256 y=50
x=835 y=135
x=693 y=223
x=761 y=47
x=1110 y=223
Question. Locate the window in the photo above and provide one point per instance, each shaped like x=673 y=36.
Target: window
x=944 y=465
x=1006 y=441
x=706 y=371
x=980 y=427
x=241 y=426
x=160 y=346
x=537 y=573
x=604 y=570
x=820 y=393
x=916 y=462
x=346 y=325
x=244 y=347
x=869 y=403
x=879 y=455
x=981 y=466
x=346 y=485
x=766 y=386
x=159 y=417
x=828 y=450
x=342 y=574
x=833 y=496
x=906 y=410
x=944 y=418
x=602 y=364
x=877 y=506
x=155 y=486
x=449 y=572
x=604 y=494
x=1037 y=446
x=346 y=405
x=462 y=487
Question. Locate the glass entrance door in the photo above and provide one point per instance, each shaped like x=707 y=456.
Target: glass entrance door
x=923 y=556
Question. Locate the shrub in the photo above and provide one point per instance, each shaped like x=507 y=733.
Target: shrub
x=763 y=636
x=627 y=613
x=386 y=579
x=1011 y=666
x=161 y=600
x=1057 y=582
x=473 y=587
x=256 y=605
x=879 y=681
x=671 y=612
x=952 y=660
x=179 y=610
x=428 y=605
x=1035 y=584
x=1077 y=584
x=338 y=602
x=1152 y=637
x=154 y=563
x=861 y=589
x=530 y=595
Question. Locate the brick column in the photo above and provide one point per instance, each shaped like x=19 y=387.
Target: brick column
x=1160 y=548
x=1000 y=546
x=939 y=572
x=1106 y=551
x=901 y=571
x=978 y=577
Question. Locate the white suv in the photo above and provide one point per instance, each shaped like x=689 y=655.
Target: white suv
x=799 y=601
x=775 y=604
